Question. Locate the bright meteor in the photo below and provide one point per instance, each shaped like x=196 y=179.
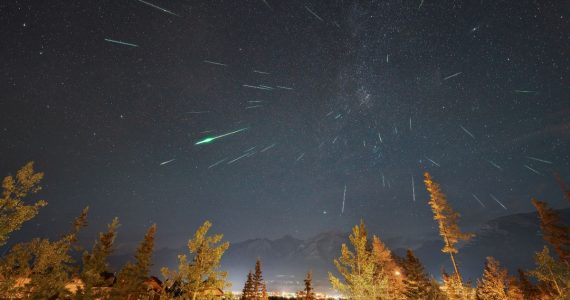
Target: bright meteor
x=213 y=138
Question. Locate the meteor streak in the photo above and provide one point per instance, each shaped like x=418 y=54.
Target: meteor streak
x=121 y=43
x=167 y=162
x=540 y=160
x=211 y=139
x=158 y=7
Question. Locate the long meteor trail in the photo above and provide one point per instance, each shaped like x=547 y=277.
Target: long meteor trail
x=540 y=160
x=158 y=7
x=413 y=189
x=478 y=200
x=314 y=14
x=213 y=138
x=451 y=76
x=121 y=43
x=533 y=170
x=467 y=131
x=497 y=200
x=343 y=200
x=215 y=63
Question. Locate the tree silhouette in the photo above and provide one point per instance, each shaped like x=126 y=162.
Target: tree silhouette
x=309 y=292
x=95 y=263
x=358 y=269
x=248 y=291
x=447 y=220
x=46 y=264
x=417 y=283
x=553 y=231
x=201 y=274
x=133 y=275
x=13 y=211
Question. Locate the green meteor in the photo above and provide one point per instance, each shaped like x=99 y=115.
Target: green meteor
x=213 y=138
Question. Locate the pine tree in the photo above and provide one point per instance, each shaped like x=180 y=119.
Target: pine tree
x=201 y=273
x=387 y=268
x=95 y=263
x=453 y=287
x=553 y=275
x=258 y=280
x=553 y=231
x=264 y=295
x=248 y=290
x=309 y=291
x=47 y=264
x=435 y=292
x=417 y=283
x=358 y=269
x=529 y=290
x=447 y=220
x=493 y=284
x=13 y=211
x=514 y=291
x=133 y=275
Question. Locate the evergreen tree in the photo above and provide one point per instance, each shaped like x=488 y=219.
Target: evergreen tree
x=387 y=268
x=258 y=280
x=133 y=275
x=358 y=269
x=529 y=290
x=201 y=273
x=47 y=264
x=417 y=283
x=514 y=291
x=13 y=211
x=95 y=263
x=248 y=290
x=447 y=220
x=434 y=292
x=554 y=276
x=553 y=231
x=493 y=284
x=309 y=291
x=454 y=289
x=264 y=295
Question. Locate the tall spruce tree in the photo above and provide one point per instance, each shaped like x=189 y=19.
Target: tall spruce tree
x=529 y=290
x=201 y=274
x=493 y=285
x=248 y=292
x=453 y=287
x=553 y=231
x=258 y=282
x=133 y=275
x=309 y=292
x=514 y=290
x=358 y=269
x=95 y=263
x=14 y=212
x=435 y=292
x=264 y=294
x=417 y=283
x=447 y=220
x=387 y=268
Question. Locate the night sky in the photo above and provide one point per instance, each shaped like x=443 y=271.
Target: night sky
x=335 y=100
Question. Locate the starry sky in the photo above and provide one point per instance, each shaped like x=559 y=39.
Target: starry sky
x=340 y=106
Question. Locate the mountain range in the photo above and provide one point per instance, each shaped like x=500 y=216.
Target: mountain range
x=511 y=239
